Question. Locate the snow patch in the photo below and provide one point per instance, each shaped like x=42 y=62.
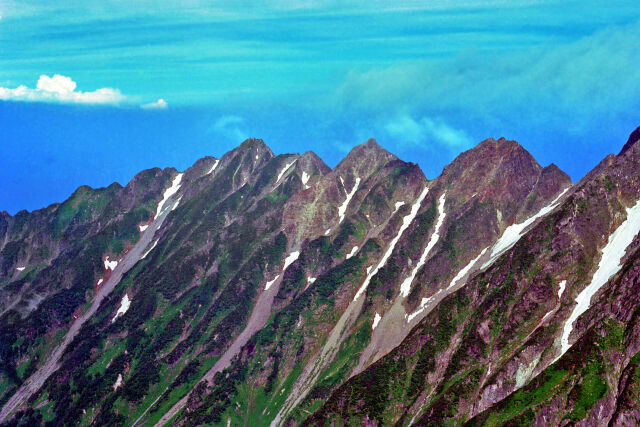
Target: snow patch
x=20 y=268
x=271 y=282
x=326 y=233
x=405 y=287
x=609 y=265
x=286 y=167
x=563 y=284
x=376 y=320
x=310 y=279
x=406 y=221
x=99 y=282
x=175 y=186
x=423 y=305
x=514 y=232
x=546 y=316
x=466 y=269
x=175 y=205
x=293 y=256
x=305 y=179
x=150 y=249
x=343 y=207
x=215 y=165
x=398 y=205
x=426 y=301
x=118 y=382
x=124 y=306
x=353 y=252
x=290 y=259
x=110 y=265
x=143 y=227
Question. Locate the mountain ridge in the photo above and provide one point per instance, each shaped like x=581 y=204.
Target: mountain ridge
x=496 y=385
x=278 y=283
x=201 y=163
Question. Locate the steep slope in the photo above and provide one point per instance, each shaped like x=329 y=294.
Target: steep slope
x=478 y=199
x=212 y=194
x=363 y=188
x=273 y=283
x=321 y=209
x=314 y=338
x=59 y=254
x=383 y=295
x=32 y=242
x=493 y=351
x=114 y=271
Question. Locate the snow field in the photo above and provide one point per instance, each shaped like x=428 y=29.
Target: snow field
x=405 y=287
x=609 y=265
x=342 y=209
x=406 y=221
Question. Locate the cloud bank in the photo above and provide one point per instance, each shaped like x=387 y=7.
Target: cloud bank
x=61 y=89
x=561 y=85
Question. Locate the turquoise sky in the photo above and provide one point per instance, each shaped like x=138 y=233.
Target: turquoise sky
x=80 y=83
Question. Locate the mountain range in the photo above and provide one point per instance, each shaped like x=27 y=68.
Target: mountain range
x=258 y=289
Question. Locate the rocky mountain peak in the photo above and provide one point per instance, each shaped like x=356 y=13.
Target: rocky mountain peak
x=244 y=160
x=552 y=168
x=506 y=174
x=142 y=177
x=254 y=146
x=309 y=157
x=554 y=171
x=501 y=146
x=633 y=139
x=363 y=160
x=372 y=143
x=201 y=167
x=369 y=150
x=257 y=143
x=492 y=159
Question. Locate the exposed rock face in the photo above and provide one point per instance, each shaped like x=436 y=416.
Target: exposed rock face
x=484 y=190
x=318 y=210
x=265 y=289
x=490 y=353
x=63 y=244
x=633 y=139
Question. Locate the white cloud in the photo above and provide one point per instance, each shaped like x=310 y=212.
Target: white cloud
x=61 y=89
x=405 y=130
x=231 y=127
x=160 y=104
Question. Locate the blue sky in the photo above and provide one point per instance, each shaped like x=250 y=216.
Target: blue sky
x=93 y=93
